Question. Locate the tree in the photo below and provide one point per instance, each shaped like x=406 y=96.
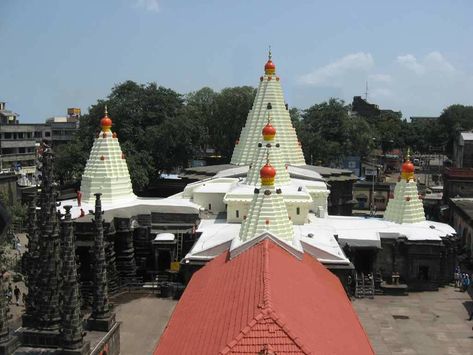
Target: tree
x=328 y=133
x=454 y=119
x=231 y=110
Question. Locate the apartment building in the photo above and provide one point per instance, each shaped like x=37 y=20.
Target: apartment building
x=19 y=142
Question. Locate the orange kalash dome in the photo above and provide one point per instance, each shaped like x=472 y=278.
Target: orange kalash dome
x=407 y=169
x=267 y=174
x=268 y=132
x=106 y=122
x=269 y=67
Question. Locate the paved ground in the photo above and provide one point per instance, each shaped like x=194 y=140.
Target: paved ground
x=430 y=323
x=143 y=320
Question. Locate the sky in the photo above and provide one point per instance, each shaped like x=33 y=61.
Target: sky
x=416 y=56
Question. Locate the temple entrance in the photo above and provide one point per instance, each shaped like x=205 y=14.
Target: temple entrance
x=364 y=259
x=164 y=260
x=423 y=273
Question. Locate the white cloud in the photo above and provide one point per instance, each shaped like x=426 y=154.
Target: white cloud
x=150 y=5
x=417 y=85
x=380 y=93
x=410 y=62
x=380 y=78
x=331 y=73
x=433 y=62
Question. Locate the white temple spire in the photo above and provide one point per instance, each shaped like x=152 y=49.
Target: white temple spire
x=267 y=211
x=269 y=96
x=406 y=206
x=106 y=170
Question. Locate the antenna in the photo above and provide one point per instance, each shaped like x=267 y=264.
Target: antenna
x=366 y=91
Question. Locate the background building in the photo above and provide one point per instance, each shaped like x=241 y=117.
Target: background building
x=19 y=142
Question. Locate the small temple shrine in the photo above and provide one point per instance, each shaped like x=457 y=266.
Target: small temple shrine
x=106 y=170
x=406 y=205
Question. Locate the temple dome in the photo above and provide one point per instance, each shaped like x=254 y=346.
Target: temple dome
x=269 y=67
x=267 y=174
x=407 y=170
x=408 y=167
x=268 y=132
x=106 y=122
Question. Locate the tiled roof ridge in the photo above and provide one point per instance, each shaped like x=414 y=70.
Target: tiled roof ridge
x=267 y=310
x=266 y=277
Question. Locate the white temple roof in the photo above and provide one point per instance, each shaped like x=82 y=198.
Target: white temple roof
x=355 y=231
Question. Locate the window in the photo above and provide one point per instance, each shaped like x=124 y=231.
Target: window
x=7 y=135
x=210 y=206
x=237 y=214
x=47 y=134
x=38 y=134
x=298 y=210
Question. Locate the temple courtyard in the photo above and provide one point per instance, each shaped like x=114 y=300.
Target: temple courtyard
x=420 y=323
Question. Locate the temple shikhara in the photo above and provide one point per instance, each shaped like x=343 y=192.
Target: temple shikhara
x=106 y=170
x=267 y=268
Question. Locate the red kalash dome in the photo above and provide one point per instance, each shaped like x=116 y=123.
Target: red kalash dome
x=267 y=172
x=269 y=67
x=408 y=167
x=268 y=132
x=106 y=122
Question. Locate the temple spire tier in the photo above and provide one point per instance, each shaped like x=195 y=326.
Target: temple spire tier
x=406 y=206
x=46 y=309
x=268 y=150
x=71 y=330
x=269 y=96
x=30 y=262
x=106 y=170
x=101 y=318
x=267 y=211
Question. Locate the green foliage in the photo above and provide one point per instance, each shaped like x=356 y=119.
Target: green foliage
x=16 y=210
x=328 y=133
x=159 y=130
x=231 y=110
x=454 y=119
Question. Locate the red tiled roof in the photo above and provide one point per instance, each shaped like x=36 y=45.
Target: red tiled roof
x=265 y=298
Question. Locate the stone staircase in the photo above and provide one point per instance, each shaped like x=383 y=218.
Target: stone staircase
x=364 y=286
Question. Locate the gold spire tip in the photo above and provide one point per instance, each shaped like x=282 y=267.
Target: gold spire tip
x=269 y=53
x=106 y=111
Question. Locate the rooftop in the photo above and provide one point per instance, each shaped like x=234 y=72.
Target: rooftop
x=243 y=306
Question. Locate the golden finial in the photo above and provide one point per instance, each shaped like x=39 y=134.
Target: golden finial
x=269 y=118
x=269 y=53
x=408 y=156
x=106 y=111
